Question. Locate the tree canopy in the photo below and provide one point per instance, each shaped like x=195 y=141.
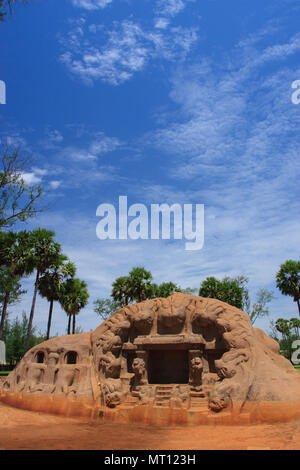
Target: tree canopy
x=135 y=287
x=6 y=7
x=229 y=290
x=234 y=292
x=17 y=198
x=50 y=282
x=73 y=297
x=288 y=280
x=14 y=336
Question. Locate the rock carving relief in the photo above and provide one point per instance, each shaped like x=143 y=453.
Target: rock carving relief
x=137 y=355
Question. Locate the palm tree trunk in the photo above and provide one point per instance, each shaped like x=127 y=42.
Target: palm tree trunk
x=74 y=320
x=69 y=325
x=32 y=311
x=4 y=312
x=298 y=303
x=49 y=318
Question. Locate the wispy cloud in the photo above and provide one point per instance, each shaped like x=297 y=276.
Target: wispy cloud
x=171 y=7
x=54 y=184
x=98 y=146
x=115 y=55
x=233 y=112
x=91 y=4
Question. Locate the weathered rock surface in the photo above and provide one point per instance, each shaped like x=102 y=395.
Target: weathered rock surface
x=184 y=352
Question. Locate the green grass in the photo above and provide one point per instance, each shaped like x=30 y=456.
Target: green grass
x=4 y=372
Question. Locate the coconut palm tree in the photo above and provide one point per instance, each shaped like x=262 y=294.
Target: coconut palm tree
x=121 y=290
x=73 y=297
x=288 y=280
x=140 y=284
x=136 y=286
x=44 y=254
x=50 y=283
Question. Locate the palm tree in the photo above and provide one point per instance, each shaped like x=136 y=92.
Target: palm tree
x=288 y=280
x=136 y=286
x=44 y=254
x=121 y=290
x=140 y=284
x=73 y=297
x=50 y=283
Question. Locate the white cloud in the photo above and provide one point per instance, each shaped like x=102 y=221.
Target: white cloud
x=54 y=184
x=53 y=137
x=34 y=177
x=40 y=171
x=171 y=7
x=14 y=140
x=161 y=23
x=91 y=4
x=230 y=112
x=127 y=50
x=98 y=146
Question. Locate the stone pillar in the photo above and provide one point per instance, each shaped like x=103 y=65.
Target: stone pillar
x=195 y=367
x=123 y=369
x=127 y=348
x=143 y=354
x=154 y=324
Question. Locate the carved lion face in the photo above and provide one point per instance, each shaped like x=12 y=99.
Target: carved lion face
x=196 y=363
x=138 y=365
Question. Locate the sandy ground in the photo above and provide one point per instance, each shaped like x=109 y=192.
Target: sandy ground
x=20 y=429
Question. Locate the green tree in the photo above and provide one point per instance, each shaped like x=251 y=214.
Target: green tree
x=14 y=336
x=17 y=198
x=288 y=280
x=295 y=326
x=189 y=290
x=289 y=330
x=259 y=308
x=134 y=287
x=123 y=293
x=106 y=307
x=6 y=6
x=137 y=287
x=164 y=289
x=73 y=297
x=140 y=284
x=121 y=290
x=50 y=282
x=44 y=254
x=13 y=256
x=234 y=292
x=227 y=290
x=10 y=292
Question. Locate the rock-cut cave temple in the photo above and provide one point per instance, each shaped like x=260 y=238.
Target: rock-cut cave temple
x=183 y=356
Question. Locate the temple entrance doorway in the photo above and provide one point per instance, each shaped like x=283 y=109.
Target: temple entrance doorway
x=168 y=366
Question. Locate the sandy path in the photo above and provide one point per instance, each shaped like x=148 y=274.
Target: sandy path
x=20 y=429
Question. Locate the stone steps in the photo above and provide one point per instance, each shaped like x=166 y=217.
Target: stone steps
x=163 y=395
x=198 y=399
x=203 y=404
x=130 y=401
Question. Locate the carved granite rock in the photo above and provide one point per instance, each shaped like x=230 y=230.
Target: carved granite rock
x=184 y=351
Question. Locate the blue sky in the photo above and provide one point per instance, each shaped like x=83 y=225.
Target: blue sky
x=164 y=101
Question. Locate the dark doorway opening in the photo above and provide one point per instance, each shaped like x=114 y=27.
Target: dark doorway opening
x=40 y=357
x=168 y=367
x=71 y=357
